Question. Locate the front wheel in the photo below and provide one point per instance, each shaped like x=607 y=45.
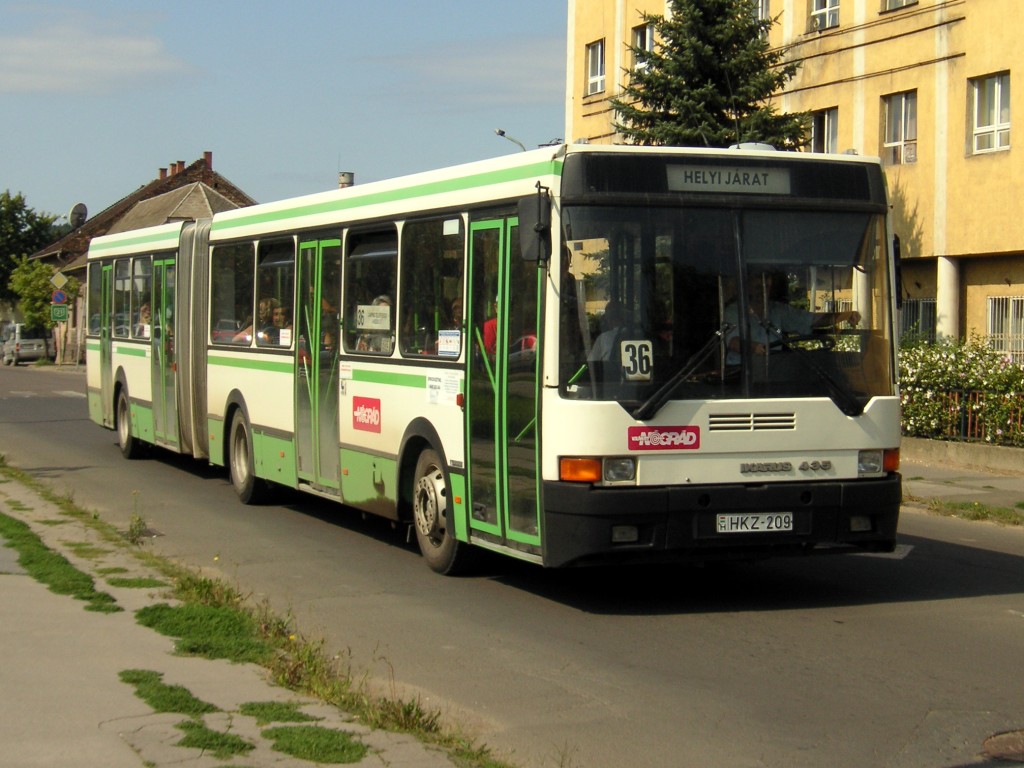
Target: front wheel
x=432 y=518
x=250 y=489
x=131 y=447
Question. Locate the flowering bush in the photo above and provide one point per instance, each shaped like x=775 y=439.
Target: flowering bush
x=961 y=390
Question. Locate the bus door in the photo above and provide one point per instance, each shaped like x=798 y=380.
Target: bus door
x=502 y=403
x=106 y=333
x=165 y=367
x=316 y=365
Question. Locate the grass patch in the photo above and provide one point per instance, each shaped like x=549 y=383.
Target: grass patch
x=53 y=569
x=87 y=550
x=210 y=631
x=53 y=522
x=220 y=745
x=320 y=745
x=111 y=571
x=149 y=687
x=973 y=510
x=267 y=712
x=137 y=583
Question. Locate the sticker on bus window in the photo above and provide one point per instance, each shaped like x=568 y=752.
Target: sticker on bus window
x=449 y=343
x=366 y=414
x=663 y=438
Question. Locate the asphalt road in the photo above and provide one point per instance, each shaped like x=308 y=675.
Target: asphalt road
x=907 y=660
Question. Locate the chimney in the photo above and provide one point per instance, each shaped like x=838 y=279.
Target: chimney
x=163 y=174
x=346 y=179
x=181 y=166
x=208 y=157
x=172 y=168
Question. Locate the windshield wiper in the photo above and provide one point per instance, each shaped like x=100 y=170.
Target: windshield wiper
x=655 y=402
x=845 y=400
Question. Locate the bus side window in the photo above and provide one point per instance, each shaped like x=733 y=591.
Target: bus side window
x=431 y=300
x=232 y=275
x=371 y=272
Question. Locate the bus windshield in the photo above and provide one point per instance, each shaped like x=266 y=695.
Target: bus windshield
x=669 y=303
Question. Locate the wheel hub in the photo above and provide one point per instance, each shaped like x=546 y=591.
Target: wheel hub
x=429 y=509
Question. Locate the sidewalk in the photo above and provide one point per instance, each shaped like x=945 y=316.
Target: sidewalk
x=962 y=472
x=63 y=703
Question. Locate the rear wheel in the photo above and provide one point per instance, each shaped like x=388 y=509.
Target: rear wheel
x=131 y=447
x=250 y=489
x=432 y=518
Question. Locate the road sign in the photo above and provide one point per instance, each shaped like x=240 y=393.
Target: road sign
x=58 y=280
x=59 y=313
x=59 y=297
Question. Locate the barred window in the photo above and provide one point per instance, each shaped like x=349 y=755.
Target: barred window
x=1006 y=326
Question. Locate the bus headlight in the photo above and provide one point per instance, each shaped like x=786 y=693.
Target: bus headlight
x=869 y=463
x=620 y=469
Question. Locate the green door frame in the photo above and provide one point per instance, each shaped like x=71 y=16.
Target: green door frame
x=316 y=366
x=502 y=408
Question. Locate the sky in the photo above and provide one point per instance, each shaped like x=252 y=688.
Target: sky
x=96 y=96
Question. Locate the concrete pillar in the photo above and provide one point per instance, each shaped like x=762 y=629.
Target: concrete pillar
x=947 y=299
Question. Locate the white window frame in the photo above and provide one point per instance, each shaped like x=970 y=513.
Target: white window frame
x=892 y=5
x=642 y=38
x=899 y=141
x=763 y=10
x=824 y=14
x=825 y=130
x=595 y=67
x=990 y=122
x=1006 y=326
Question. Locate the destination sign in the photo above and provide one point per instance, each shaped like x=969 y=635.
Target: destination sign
x=729 y=179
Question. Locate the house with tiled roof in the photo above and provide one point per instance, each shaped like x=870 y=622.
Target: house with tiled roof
x=179 y=193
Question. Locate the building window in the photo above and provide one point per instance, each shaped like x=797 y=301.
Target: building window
x=991 y=113
x=643 y=40
x=763 y=10
x=1006 y=326
x=891 y=5
x=824 y=130
x=917 y=318
x=900 y=142
x=595 y=67
x=824 y=14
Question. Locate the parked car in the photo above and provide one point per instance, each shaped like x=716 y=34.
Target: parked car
x=23 y=344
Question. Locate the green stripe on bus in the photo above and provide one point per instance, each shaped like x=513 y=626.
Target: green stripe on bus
x=131 y=351
x=489 y=178
x=412 y=380
x=169 y=241
x=253 y=363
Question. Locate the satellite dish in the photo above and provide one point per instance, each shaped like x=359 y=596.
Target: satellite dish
x=79 y=213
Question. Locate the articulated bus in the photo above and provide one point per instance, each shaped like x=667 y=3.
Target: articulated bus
x=572 y=355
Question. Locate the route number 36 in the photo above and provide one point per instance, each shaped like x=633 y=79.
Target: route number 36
x=637 y=359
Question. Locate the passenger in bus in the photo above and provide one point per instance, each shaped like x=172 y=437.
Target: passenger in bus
x=145 y=319
x=280 y=332
x=766 y=304
x=612 y=321
x=491 y=331
x=264 y=320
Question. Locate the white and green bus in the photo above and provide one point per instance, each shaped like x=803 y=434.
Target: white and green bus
x=571 y=355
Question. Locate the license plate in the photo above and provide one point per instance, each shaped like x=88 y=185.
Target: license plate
x=756 y=522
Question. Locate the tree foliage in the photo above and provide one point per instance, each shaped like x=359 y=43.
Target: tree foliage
x=709 y=80
x=22 y=233
x=30 y=281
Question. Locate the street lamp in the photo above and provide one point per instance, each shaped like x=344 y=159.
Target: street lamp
x=515 y=141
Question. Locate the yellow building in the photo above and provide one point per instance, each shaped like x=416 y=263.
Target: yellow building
x=924 y=84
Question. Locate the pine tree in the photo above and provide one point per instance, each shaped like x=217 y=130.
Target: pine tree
x=709 y=80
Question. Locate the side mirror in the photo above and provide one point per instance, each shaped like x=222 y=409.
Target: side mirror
x=535 y=226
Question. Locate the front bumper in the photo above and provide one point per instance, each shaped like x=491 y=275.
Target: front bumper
x=679 y=522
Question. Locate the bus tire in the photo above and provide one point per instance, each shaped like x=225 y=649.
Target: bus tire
x=131 y=447
x=242 y=467
x=434 y=529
